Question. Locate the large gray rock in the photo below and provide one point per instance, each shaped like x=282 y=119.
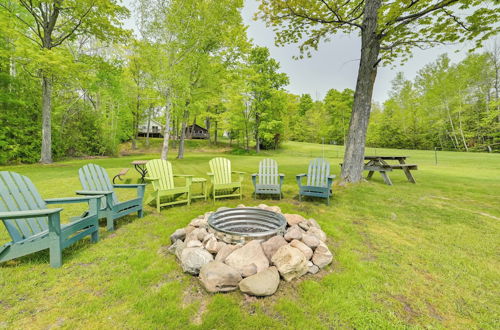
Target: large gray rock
x=322 y=256
x=291 y=263
x=313 y=223
x=275 y=209
x=304 y=225
x=219 y=277
x=248 y=270
x=225 y=251
x=292 y=233
x=310 y=240
x=179 y=234
x=318 y=233
x=192 y=259
x=293 y=219
x=249 y=253
x=264 y=283
x=211 y=243
x=177 y=248
x=306 y=250
x=272 y=245
x=199 y=222
x=193 y=234
x=194 y=243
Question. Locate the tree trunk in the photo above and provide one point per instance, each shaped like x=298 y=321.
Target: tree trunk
x=46 y=154
x=207 y=125
x=166 y=131
x=149 y=127
x=257 y=138
x=352 y=170
x=185 y=117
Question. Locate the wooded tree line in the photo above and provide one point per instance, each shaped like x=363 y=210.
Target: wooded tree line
x=447 y=106
x=89 y=87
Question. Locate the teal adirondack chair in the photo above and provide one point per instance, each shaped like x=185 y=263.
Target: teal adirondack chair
x=33 y=227
x=222 y=184
x=162 y=178
x=95 y=181
x=268 y=181
x=319 y=180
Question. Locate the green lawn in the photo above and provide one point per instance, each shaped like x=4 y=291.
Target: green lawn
x=424 y=255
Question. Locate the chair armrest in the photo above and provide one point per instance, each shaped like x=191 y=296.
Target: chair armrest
x=333 y=176
x=132 y=185
x=182 y=175
x=299 y=177
x=149 y=178
x=282 y=179
x=211 y=176
x=29 y=214
x=67 y=200
x=240 y=174
x=96 y=192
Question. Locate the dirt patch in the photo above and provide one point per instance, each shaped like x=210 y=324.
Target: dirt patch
x=433 y=312
x=409 y=314
x=194 y=294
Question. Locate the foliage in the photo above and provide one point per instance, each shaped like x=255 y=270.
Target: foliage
x=448 y=106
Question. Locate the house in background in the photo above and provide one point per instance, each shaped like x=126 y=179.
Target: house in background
x=196 y=132
x=155 y=129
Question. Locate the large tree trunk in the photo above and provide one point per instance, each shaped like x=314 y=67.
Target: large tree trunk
x=46 y=154
x=166 y=132
x=257 y=137
x=149 y=127
x=185 y=117
x=352 y=169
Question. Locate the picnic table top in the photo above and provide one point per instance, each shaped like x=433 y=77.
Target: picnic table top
x=385 y=157
x=139 y=162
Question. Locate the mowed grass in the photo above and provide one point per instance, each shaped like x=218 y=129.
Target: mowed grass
x=424 y=255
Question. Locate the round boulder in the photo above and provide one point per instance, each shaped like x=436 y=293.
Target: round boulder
x=192 y=259
x=264 y=283
x=219 y=277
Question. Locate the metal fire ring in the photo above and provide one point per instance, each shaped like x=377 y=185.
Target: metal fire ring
x=246 y=223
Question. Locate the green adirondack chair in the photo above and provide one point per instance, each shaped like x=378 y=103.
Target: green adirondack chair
x=319 y=180
x=33 y=227
x=222 y=184
x=268 y=181
x=162 y=178
x=95 y=181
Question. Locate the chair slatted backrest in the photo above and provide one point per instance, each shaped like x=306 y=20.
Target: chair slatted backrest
x=162 y=170
x=318 y=173
x=95 y=178
x=268 y=172
x=221 y=168
x=17 y=193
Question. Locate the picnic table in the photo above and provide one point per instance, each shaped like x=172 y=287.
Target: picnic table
x=140 y=167
x=379 y=164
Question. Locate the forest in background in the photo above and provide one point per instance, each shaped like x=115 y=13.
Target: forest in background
x=198 y=65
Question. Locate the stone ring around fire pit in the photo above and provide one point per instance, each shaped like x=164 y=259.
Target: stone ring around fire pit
x=250 y=248
x=243 y=224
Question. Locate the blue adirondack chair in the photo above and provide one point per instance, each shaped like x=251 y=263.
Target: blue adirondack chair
x=95 y=181
x=319 y=180
x=268 y=181
x=33 y=227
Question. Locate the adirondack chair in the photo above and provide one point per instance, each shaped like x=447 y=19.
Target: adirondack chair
x=319 y=180
x=34 y=227
x=222 y=184
x=95 y=181
x=268 y=181
x=160 y=174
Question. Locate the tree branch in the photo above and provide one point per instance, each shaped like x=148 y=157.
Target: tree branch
x=321 y=20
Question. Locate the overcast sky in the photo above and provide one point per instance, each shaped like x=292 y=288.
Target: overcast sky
x=335 y=64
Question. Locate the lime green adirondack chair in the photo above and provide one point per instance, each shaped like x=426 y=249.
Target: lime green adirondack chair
x=33 y=227
x=95 y=181
x=160 y=174
x=222 y=184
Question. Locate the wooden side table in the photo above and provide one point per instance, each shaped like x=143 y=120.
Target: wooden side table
x=203 y=185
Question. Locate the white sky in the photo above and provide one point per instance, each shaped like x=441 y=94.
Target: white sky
x=335 y=64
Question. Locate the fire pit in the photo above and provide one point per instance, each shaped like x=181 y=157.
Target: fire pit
x=250 y=249
x=243 y=224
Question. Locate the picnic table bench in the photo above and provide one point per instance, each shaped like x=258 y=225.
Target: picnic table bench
x=379 y=164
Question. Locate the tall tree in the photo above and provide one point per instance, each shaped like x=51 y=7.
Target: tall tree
x=48 y=25
x=388 y=29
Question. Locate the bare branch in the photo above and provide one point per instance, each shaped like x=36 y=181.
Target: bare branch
x=320 y=20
